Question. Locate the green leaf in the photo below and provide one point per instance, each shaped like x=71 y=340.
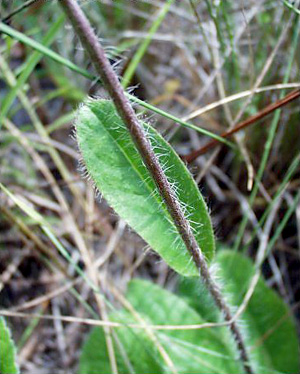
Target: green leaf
x=268 y=327
x=7 y=351
x=115 y=165
x=143 y=358
x=195 y=294
x=194 y=351
x=191 y=351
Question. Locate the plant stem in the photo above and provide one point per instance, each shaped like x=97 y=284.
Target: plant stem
x=18 y=10
x=111 y=83
x=249 y=121
x=5 y=29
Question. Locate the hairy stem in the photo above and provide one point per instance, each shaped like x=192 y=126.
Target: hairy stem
x=111 y=83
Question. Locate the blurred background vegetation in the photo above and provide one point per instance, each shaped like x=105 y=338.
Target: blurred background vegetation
x=180 y=57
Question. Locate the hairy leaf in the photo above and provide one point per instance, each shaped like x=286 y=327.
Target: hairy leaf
x=135 y=352
x=267 y=324
x=117 y=169
x=195 y=351
x=270 y=329
x=267 y=327
x=191 y=351
x=7 y=351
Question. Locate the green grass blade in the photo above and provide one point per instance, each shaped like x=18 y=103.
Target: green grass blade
x=283 y=222
x=7 y=351
x=5 y=29
x=290 y=172
x=270 y=139
x=114 y=163
x=29 y=67
x=61 y=60
x=291 y=6
x=129 y=72
x=39 y=220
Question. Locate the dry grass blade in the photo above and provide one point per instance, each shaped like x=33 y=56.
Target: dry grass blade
x=242 y=125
